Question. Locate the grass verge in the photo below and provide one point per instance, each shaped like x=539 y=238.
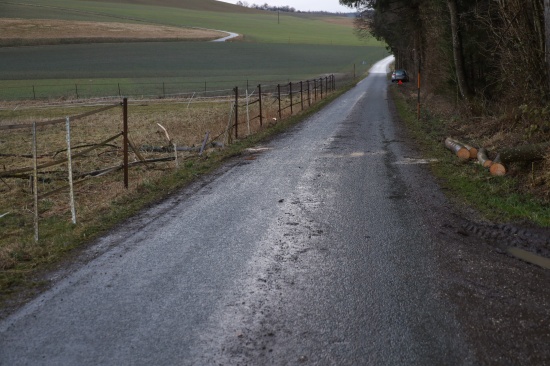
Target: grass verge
x=497 y=199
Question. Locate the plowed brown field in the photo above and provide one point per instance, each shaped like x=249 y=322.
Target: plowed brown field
x=45 y=31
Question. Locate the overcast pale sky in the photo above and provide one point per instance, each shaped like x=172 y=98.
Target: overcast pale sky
x=304 y=5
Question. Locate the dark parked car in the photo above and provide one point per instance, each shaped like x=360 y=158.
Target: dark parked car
x=399 y=75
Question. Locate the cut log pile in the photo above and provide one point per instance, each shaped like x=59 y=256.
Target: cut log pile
x=497 y=166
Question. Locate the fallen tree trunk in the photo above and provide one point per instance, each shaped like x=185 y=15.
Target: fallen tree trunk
x=472 y=150
x=497 y=168
x=525 y=152
x=457 y=148
x=483 y=159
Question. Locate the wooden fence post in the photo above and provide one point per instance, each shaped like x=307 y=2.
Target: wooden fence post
x=291 y=99
x=260 y=101
x=247 y=108
x=321 y=81
x=236 y=112
x=125 y=139
x=279 y=97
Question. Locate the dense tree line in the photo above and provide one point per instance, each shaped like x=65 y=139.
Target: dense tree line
x=491 y=53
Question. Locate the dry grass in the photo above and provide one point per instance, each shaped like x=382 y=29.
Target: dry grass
x=41 y=31
x=102 y=201
x=185 y=122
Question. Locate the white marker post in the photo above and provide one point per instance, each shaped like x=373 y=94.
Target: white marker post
x=70 y=167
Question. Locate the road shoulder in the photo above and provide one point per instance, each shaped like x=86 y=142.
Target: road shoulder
x=502 y=302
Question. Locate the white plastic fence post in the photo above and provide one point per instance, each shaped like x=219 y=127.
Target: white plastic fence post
x=35 y=181
x=70 y=168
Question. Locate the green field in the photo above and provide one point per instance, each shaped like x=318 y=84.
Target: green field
x=100 y=69
x=296 y=47
x=255 y=26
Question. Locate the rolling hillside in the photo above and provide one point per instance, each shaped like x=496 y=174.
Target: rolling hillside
x=200 y=5
x=272 y=48
x=256 y=26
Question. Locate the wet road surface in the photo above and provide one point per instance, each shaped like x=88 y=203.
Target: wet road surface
x=313 y=249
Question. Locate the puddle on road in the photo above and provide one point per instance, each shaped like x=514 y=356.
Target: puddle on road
x=258 y=149
x=530 y=257
x=411 y=161
x=356 y=154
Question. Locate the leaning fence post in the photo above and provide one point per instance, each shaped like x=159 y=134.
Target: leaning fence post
x=260 y=101
x=76 y=90
x=227 y=133
x=203 y=146
x=33 y=93
x=236 y=112
x=247 y=109
x=35 y=181
x=70 y=168
x=125 y=138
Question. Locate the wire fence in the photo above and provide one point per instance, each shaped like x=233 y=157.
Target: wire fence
x=163 y=89
x=128 y=143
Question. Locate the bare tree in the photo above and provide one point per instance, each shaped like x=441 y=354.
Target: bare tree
x=458 y=55
x=547 y=34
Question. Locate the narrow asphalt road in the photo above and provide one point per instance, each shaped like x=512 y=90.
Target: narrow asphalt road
x=311 y=249
x=230 y=35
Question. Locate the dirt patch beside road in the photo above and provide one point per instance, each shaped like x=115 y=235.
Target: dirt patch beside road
x=28 y=32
